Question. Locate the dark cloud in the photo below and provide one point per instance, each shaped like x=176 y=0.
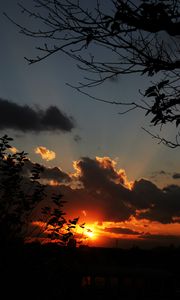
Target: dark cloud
x=110 y=194
x=159 y=173
x=56 y=174
x=145 y=194
x=106 y=186
x=98 y=172
x=162 y=172
x=104 y=194
x=24 y=118
x=48 y=174
x=120 y=230
x=176 y=176
x=161 y=205
x=160 y=237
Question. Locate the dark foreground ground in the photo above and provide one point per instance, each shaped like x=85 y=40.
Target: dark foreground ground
x=50 y=272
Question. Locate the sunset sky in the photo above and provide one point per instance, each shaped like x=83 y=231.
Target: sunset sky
x=114 y=176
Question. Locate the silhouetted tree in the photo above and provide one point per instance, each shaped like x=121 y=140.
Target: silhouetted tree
x=135 y=37
x=56 y=226
x=14 y=204
x=19 y=196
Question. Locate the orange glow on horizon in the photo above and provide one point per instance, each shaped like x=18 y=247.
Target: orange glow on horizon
x=81 y=233
x=89 y=231
x=94 y=233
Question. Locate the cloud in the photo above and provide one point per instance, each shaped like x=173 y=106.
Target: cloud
x=176 y=176
x=13 y=150
x=28 y=119
x=119 y=230
x=145 y=194
x=156 y=204
x=159 y=237
x=139 y=211
x=50 y=174
x=45 y=153
x=106 y=195
x=106 y=188
x=159 y=173
x=108 y=191
x=162 y=172
x=99 y=171
x=56 y=174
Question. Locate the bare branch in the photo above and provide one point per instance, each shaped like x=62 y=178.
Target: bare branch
x=131 y=38
x=164 y=141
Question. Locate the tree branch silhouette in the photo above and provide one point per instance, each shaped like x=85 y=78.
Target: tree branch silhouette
x=19 y=196
x=135 y=38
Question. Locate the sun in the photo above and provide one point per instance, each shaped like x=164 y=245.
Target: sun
x=89 y=233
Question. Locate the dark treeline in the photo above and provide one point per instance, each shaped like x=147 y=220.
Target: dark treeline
x=49 y=271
